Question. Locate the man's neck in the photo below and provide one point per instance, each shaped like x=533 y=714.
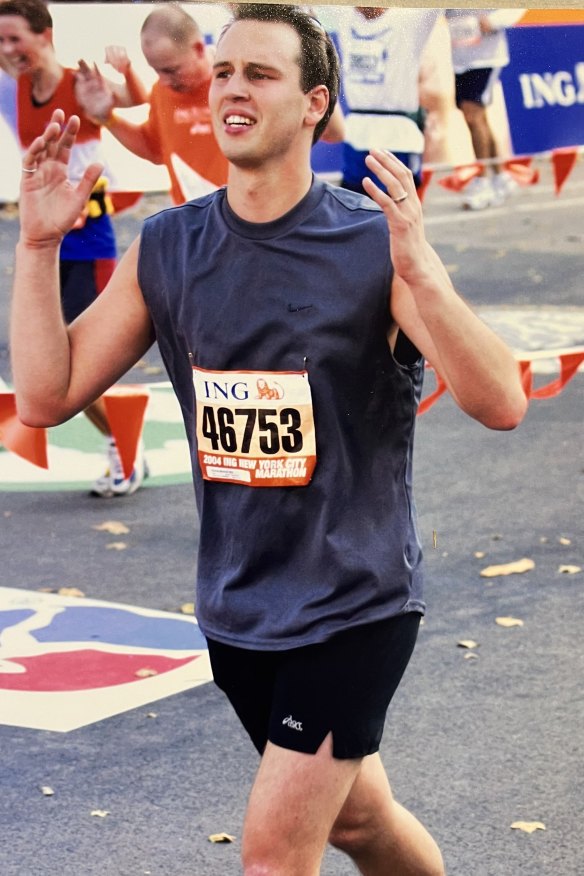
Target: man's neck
x=265 y=195
x=45 y=79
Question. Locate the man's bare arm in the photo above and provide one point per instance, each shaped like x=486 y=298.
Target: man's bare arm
x=479 y=369
x=59 y=369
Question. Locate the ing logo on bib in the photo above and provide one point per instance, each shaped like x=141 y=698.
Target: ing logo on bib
x=255 y=428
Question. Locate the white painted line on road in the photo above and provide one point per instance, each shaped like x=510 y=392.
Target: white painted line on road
x=470 y=215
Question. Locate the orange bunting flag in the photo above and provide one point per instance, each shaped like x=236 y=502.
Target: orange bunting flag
x=461 y=177
x=125 y=407
x=434 y=396
x=569 y=364
x=427 y=174
x=26 y=441
x=526 y=377
x=563 y=161
x=522 y=171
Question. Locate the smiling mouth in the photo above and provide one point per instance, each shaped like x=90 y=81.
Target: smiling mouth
x=236 y=121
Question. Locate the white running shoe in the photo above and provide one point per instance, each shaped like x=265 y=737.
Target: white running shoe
x=112 y=482
x=480 y=194
x=504 y=185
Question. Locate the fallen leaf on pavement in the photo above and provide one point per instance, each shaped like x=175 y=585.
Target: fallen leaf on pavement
x=479 y=554
x=46 y=791
x=569 y=570
x=116 y=546
x=528 y=826
x=114 y=527
x=70 y=591
x=467 y=643
x=100 y=813
x=508 y=621
x=188 y=608
x=564 y=540
x=221 y=838
x=515 y=568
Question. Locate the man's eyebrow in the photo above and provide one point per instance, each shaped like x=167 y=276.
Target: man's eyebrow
x=251 y=65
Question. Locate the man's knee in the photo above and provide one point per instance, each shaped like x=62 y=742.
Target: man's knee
x=475 y=114
x=353 y=833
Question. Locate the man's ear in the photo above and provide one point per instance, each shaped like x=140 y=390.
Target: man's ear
x=199 y=47
x=318 y=105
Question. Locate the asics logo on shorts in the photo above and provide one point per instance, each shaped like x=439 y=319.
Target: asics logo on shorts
x=292 y=724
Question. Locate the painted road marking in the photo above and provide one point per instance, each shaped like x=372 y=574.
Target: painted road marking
x=67 y=662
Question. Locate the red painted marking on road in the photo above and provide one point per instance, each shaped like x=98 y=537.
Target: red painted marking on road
x=84 y=670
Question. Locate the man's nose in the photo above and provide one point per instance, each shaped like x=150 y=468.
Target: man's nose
x=238 y=86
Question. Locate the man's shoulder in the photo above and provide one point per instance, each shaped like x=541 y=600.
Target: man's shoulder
x=190 y=212
x=351 y=202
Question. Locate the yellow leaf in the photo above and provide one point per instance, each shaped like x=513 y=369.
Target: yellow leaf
x=479 y=554
x=569 y=570
x=508 y=621
x=528 y=826
x=467 y=643
x=188 y=608
x=564 y=540
x=145 y=673
x=100 y=813
x=515 y=568
x=470 y=655
x=114 y=527
x=116 y=546
x=70 y=591
x=221 y=838
x=46 y=791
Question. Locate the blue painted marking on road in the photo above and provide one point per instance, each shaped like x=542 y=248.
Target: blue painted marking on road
x=122 y=627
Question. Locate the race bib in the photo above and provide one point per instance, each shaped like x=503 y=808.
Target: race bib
x=255 y=427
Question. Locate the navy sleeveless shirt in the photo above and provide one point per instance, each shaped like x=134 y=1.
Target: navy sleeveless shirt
x=280 y=567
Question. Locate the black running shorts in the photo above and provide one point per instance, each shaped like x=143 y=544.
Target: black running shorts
x=344 y=685
x=476 y=86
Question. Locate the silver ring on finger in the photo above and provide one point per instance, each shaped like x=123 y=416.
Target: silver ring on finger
x=400 y=199
x=29 y=169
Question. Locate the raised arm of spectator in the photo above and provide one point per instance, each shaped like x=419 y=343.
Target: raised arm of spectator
x=59 y=369
x=94 y=93
x=478 y=368
x=132 y=92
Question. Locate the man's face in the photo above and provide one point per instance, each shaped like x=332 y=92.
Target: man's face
x=183 y=69
x=257 y=104
x=19 y=45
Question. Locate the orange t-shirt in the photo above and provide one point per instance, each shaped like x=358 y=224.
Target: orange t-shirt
x=179 y=129
x=33 y=118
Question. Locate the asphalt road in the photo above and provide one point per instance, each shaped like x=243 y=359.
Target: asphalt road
x=477 y=739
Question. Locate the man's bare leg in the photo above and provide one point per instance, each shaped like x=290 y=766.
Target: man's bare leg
x=380 y=835
x=96 y=415
x=292 y=807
